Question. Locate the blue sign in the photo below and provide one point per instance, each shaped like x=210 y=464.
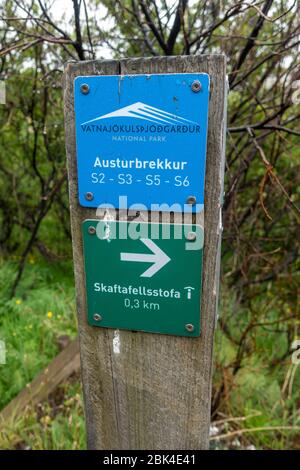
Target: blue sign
x=142 y=138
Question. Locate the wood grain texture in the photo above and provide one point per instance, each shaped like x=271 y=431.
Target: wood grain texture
x=156 y=392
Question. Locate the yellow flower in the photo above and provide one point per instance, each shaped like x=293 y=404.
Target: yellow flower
x=31 y=261
x=18 y=301
x=49 y=314
x=46 y=420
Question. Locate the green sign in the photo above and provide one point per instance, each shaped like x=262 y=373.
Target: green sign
x=143 y=276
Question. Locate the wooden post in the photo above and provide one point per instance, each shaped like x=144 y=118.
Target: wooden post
x=156 y=392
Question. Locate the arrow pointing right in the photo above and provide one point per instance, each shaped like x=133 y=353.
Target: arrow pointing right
x=158 y=258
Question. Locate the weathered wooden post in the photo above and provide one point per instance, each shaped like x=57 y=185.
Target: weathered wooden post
x=145 y=390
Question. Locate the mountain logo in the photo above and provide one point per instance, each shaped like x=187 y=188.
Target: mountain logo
x=143 y=111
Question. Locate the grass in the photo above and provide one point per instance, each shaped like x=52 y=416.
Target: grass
x=31 y=323
x=30 y=326
x=262 y=393
x=44 y=309
x=56 y=424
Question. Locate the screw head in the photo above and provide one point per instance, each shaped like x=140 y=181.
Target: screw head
x=189 y=327
x=91 y=230
x=84 y=88
x=89 y=196
x=97 y=317
x=196 y=86
x=191 y=200
x=191 y=236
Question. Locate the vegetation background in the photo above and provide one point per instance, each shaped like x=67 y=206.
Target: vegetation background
x=256 y=386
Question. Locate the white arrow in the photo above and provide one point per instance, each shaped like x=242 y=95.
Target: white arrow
x=158 y=258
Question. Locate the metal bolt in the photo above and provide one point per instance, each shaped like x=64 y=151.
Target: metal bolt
x=97 y=317
x=91 y=230
x=84 y=88
x=191 y=236
x=189 y=327
x=196 y=86
x=191 y=200
x=89 y=196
